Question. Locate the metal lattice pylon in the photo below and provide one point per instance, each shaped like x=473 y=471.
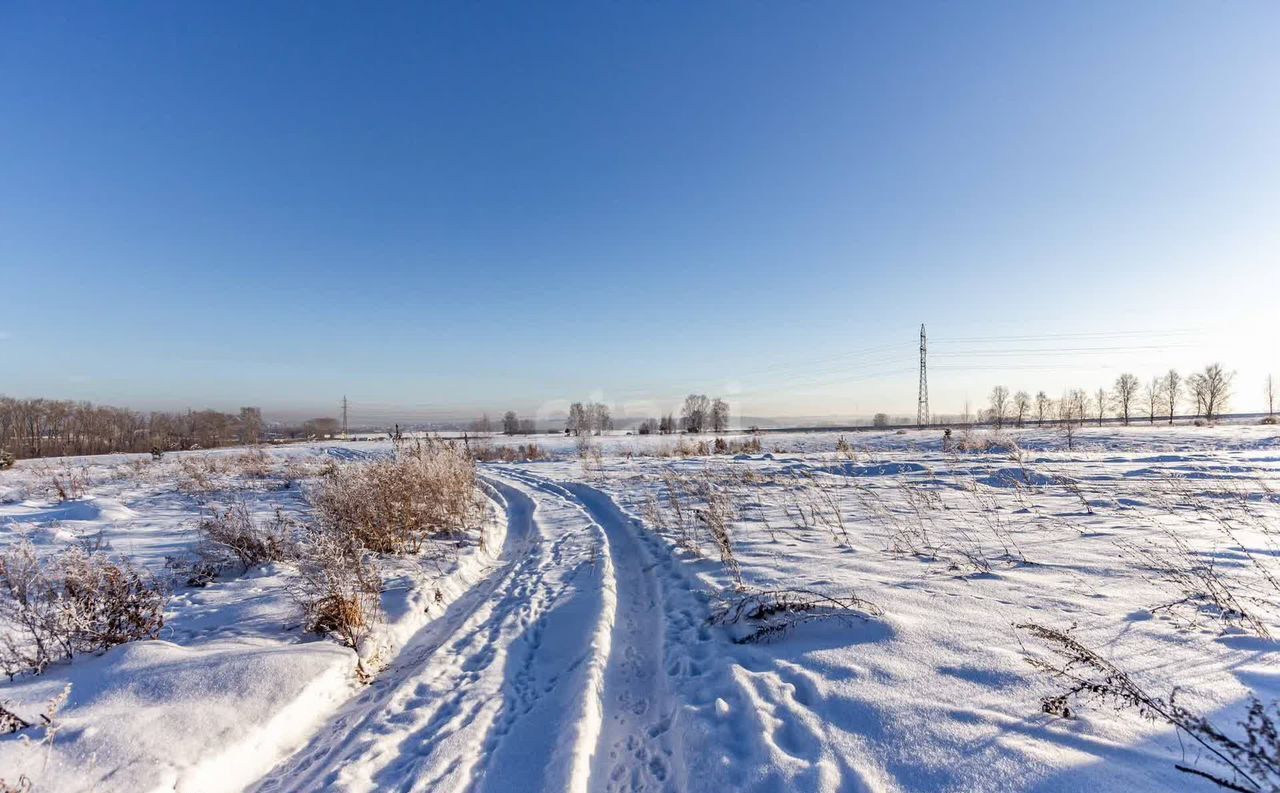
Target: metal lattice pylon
x=922 y=403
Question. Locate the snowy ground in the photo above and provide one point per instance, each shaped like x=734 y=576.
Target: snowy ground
x=575 y=648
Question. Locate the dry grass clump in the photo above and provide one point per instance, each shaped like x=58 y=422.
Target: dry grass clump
x=973 y=441
x=199 y=473
x=1236 y=580
x=767 y=616
x=394 y=505
x=76 y=601
x=523 y=453
x=251 y=463
x=1248 y=762
x=686 y=448
x=697 y=507
x=749 y=445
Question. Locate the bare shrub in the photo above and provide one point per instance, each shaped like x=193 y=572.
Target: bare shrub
x=338 y=585
x=11 y=722
x=67 y=484
x=767 y=616
x=75 y=601
x=231 y=533
x=983 y=442
x=23 y=785
x=395 y=505
x=1250 y=763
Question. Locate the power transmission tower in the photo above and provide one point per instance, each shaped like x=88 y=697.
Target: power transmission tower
x=922 y=403
x=344 y=416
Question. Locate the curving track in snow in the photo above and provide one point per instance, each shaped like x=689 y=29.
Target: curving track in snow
x=559 y=670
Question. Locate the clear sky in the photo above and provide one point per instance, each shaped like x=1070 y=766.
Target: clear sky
x=441 y=208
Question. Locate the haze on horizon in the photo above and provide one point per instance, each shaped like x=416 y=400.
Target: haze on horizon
x=439 y=211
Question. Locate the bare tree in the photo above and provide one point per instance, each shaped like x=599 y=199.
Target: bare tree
x=695 y=412
x=321 y=428
x=1172 y=391
x=1101 y=405
x=1080 y=404
x=579 y=421
x=719 y=415
x=598 y=417
x=1021 y=406
x=999 y=405
x=251 y=425
x=1126 y=391
x=510 y=423
x=1271 y=397
x=1043 y=405
x=1211 y=389
x=1070 y=414
x=1152 y=394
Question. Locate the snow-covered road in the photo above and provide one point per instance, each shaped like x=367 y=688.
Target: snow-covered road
x=548 y=675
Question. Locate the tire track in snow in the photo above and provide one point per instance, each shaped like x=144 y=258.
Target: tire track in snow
x=577 y=665
x=480 y=685
x=715 y=715
x=659 y=643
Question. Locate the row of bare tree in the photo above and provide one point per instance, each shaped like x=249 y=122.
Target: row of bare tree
x=1207 y=392
x=48 y=427
x=53 y=428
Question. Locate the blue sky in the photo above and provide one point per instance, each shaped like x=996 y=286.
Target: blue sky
x=444 y=208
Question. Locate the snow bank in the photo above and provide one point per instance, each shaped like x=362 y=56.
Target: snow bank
x=157 y=716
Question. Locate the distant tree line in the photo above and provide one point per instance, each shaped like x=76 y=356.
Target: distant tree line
x=699 y=413
x=52 y=428
x=512 y=424
x=1206 y=392
x=588 y=418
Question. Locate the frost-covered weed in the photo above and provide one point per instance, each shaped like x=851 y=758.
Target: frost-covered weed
x=75 y=601
x=338 y=584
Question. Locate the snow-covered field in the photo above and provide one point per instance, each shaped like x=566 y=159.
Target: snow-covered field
x=583 y=637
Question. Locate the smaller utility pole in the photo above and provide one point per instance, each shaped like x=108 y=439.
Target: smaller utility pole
x=344 y=416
